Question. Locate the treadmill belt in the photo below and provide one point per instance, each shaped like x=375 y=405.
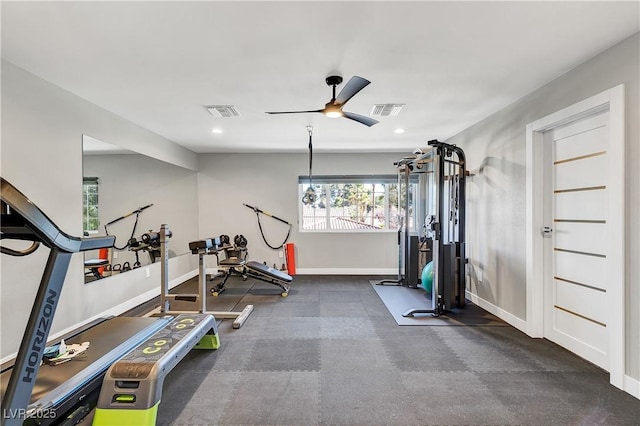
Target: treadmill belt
x=104 y=337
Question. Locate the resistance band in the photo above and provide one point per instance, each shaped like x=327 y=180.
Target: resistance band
x=258 y=211
x=133 y=231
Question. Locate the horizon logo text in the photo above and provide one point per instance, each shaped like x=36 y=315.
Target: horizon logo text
x=33 y=361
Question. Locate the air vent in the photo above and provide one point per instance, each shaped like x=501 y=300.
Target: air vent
x=222 y=111
x=387 y=109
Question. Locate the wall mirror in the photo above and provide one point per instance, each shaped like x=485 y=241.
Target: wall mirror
x=127 y=194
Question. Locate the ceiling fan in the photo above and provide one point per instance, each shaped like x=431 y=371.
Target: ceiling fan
x=333 y=108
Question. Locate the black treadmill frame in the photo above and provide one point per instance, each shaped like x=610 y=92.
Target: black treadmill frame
x=25 y=221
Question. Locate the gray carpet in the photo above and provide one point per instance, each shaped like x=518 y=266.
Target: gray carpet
x=332 y=354
x=399 y=300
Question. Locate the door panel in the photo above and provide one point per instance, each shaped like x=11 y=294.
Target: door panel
x=588 y=238
x=581 y=205
x=581 y=144
x=575 y=289
x=586 y=338
x=580 y=300
x=587 y=270
x=590 y=172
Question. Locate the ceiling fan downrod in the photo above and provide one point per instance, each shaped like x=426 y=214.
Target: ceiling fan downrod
x=310 y=196
x=333 y=80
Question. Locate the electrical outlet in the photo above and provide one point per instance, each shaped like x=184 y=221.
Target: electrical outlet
x=147 y=272
x=115 y=254
x=479 y=274
x=281 y=254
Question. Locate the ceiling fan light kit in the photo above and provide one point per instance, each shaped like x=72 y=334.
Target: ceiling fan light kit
x=332 y=111
x=333 y=108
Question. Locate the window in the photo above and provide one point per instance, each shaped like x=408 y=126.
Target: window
x=352 y=203
x=90 y=217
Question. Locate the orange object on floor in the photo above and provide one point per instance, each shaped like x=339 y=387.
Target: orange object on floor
x=103 y=253
x=289 y=250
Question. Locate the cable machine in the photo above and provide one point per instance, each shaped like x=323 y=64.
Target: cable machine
x=431 y=198
x=407 y=240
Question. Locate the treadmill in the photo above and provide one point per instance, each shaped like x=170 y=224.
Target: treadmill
x=64 y=393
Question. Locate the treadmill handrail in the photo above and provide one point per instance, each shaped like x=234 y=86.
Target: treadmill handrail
x=33 y=225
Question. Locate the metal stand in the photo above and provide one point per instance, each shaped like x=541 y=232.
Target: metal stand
x=406 y=254
x=204 y=248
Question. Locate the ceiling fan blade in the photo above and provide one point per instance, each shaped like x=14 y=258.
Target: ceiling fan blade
x=360 y=118
x=292 y=112
x=354 y=85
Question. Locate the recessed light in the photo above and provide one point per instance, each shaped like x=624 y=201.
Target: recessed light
x=398 y=131
x=216 y=131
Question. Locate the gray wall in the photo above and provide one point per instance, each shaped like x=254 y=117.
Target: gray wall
x=42 y=128
x=495 y=149
x=270 y=182
x=130 y=181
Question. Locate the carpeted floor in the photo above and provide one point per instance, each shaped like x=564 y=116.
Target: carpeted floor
x=332 y=354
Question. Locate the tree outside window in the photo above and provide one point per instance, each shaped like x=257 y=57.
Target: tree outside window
x=90 y=207
x=346 y=204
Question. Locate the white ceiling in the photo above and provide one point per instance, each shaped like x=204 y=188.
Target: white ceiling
x=452 y=63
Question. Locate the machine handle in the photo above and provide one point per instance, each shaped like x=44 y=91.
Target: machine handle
x=257 y=210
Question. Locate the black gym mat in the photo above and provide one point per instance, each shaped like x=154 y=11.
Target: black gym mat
x=332 y=355
x=399 y=299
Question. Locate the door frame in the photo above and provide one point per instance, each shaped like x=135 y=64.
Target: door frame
x=613 y=101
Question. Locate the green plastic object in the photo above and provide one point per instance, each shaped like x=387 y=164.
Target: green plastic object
x=209 y=341
x=427 y=277
x=122 y=416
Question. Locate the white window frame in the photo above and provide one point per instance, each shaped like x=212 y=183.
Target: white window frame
x=88 y=181
x=386 y=180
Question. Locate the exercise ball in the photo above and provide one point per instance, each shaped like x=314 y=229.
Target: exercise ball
x=427 y=277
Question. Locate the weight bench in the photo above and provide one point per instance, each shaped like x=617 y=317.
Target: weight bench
x=94 y=265
x=132 y=388
x=234 y=263
x=270 y=275
x=258 y=271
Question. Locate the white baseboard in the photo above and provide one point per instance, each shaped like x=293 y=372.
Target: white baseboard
x=508 y=317
x=347 y=271
x=632 y=386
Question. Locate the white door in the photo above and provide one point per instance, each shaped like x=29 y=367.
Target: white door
x=576 y=221
x=576 y=269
